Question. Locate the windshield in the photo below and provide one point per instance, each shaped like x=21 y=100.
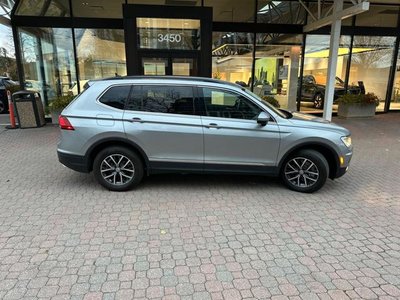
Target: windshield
x=274 y=109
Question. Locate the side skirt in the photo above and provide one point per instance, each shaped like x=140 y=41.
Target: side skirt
x=199 y=168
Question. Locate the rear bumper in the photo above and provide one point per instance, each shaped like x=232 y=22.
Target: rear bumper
x=74 y=162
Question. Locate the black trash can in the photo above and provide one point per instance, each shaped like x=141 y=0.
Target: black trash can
x=29 y=109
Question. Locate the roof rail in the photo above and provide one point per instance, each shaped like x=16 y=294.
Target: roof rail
x=188 y=78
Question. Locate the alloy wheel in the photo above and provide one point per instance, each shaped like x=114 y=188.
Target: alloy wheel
x=318 y=102
x=117 y=169
x=301 y=172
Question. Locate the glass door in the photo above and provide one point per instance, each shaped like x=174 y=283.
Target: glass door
x=155 y=66
x=167 y=64
x=168 y=46
x=184 y=67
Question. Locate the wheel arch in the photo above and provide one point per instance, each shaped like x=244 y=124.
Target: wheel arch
x=109 y=142
x=327 y=151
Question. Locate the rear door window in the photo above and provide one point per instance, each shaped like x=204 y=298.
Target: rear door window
x=162 y=99
x=116 y=96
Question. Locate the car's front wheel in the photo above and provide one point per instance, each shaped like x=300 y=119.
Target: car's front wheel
x=306 y=171
x=118 y=168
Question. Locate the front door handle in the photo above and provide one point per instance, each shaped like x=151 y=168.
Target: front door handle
x=136 y=120
x=213 y=125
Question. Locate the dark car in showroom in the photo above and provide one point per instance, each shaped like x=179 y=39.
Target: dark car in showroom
x=313 y=92
x=5 y=84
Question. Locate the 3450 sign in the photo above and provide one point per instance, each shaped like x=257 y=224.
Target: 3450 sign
x=169 y=37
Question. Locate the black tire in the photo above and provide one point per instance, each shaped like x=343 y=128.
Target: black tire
x=300 y=164
x=113 y=174
x=318 y=101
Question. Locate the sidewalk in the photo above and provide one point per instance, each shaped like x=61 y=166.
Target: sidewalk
x=62 y=236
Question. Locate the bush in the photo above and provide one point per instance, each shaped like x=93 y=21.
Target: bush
x=271 y=100
x=60 y=103
x=369 y=98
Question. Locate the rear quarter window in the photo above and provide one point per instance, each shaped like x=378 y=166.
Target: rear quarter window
x=116 y=96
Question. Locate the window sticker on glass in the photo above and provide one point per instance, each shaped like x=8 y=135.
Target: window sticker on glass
x=217 y=98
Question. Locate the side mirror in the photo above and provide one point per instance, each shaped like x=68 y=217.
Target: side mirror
x=263 y=118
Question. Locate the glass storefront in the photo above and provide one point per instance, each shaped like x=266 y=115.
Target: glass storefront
x=243 y=50
x=379 y=16
x=395 y=98
x=232 y=10
x=100 y=52
x=315 y=71
x=98 y=9
x=232 y=57
x=277 y=67
x=48 y=61
x=280 y=12
x=370 y=64
x=51 y=8
x=168 y=34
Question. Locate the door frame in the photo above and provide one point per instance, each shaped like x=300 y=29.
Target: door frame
x=134 y=54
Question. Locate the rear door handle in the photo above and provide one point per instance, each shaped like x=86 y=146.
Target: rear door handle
x=213 y=125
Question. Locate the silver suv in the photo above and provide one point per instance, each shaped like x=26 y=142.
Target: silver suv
x=124 y=128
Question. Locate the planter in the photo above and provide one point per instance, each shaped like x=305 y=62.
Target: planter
x=54 y=116
x=356 y=110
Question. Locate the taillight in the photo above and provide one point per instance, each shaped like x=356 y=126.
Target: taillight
x=64 y=123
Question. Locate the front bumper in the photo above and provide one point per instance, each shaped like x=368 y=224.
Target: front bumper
x=345 y=166
x=341 y=172
x=74 y=162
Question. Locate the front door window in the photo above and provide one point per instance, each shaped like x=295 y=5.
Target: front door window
x=223 y=104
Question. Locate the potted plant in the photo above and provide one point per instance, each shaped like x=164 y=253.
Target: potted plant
x=57 y=105
x=271 y=100
x=357 y=106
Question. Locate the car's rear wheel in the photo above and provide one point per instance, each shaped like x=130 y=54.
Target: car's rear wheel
x=306 y=171
x=318 y=101
x=118 y=168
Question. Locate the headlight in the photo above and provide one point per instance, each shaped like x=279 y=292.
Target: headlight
x=346 y=140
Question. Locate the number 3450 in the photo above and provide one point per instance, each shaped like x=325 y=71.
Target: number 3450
x=170 y=37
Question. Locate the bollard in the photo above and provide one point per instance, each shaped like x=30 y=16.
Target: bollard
x=11 y=110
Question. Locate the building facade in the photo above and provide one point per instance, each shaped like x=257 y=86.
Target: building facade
x=259 y=44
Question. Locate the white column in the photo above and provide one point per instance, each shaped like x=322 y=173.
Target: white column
x=333 y=57
x=293 y=77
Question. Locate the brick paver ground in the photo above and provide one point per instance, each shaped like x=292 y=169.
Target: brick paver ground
x=62 y=236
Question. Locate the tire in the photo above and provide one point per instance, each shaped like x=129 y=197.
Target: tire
x=318 y=101
x=306 y=171
x=118 y=168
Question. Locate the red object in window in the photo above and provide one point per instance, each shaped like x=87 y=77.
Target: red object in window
x=64 y=123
